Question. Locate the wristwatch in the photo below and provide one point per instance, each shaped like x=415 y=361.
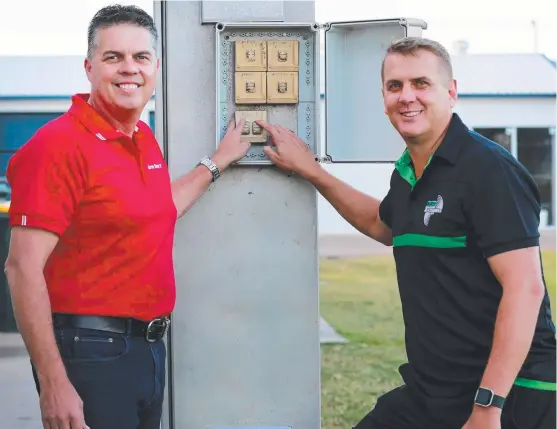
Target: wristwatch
x=207 y=162
x=486 y=398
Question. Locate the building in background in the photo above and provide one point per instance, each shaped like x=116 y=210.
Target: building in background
x=510 y=98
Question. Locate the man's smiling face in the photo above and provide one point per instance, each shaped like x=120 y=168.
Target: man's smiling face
x=418 y=93
x=123 y=67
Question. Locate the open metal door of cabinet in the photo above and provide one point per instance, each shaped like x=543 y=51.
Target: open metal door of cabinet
x=357 y=130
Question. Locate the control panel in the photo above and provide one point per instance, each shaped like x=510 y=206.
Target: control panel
x=267 y=71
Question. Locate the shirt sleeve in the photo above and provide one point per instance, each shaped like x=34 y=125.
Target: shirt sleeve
x=504 y=206
x=386 y=208
x=47 y=180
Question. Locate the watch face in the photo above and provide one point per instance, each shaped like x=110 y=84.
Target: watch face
x=484 y=397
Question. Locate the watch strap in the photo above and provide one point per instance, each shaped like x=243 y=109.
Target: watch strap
x=208 y=162
x=498 y=401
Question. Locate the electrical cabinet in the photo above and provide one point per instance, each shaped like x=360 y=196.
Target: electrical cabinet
x=323 y=81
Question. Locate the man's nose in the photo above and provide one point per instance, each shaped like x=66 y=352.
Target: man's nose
x=129 y=66
x=407 y=94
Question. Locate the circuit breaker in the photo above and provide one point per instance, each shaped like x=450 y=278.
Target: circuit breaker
x=323 y=81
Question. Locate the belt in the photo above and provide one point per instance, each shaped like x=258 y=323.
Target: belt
x=152 y=331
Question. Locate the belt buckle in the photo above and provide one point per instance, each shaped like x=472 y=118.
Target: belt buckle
x=158 y=323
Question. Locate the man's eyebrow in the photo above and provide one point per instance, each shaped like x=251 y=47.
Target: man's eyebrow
x=392 y=81
x=120 y=53
x=111 y=53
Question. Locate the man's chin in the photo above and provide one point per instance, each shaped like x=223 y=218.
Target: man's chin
x=410 y=133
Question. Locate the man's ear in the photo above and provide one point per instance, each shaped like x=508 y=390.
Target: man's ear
x=87 y=66
x=453 y=93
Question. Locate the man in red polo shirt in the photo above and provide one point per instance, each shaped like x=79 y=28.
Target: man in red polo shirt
x=93 y=213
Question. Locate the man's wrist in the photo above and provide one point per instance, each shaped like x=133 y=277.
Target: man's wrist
x=478 y=409
x=313 y=173
x=212 y=167
x=488 y=399
x=53 y=376
x=220 y=162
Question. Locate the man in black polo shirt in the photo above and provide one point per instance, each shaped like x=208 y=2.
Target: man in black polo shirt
x=462 y=215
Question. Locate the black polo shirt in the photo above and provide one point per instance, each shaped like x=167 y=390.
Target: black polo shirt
x=474 y=200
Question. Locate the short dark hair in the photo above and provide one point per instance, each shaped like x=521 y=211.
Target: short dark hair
x=410 y=46
x=119 y=14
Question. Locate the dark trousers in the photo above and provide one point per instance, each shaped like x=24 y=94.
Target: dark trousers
x=399 y=409
x=119 y=378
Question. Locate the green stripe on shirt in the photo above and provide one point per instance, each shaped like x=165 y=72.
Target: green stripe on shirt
x=421 y=240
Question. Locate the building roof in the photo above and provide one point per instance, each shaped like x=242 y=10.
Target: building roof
x=504 y=74
x=478 y=75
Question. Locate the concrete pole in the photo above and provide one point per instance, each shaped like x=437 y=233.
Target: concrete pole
x=244 y=343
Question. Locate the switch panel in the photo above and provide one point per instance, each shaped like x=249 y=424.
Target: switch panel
x=252 y=131
x=251 y=55
x=251 y=88
x=282 y=88
x=268 y=71
x=282 y=55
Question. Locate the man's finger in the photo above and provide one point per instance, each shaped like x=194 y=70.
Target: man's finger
x=77 y=423
x=231 y=125
x=271 y=129
x=270 y=152
x=240 y=127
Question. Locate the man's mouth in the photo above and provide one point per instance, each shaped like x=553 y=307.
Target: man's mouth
x=127 y=86
x=411 y=113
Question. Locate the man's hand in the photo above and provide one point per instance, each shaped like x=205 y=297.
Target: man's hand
x=61 y=406
x=231 y=148
x=484 y=418
x=292 y=153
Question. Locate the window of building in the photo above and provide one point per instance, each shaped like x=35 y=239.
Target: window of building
x=498 y=135
x=535 y=152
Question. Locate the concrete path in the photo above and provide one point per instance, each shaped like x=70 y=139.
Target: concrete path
x=19 y=406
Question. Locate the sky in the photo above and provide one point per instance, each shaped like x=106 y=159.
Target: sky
x=59 y=27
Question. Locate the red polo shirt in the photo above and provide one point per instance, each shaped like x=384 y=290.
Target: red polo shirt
x=108 y=197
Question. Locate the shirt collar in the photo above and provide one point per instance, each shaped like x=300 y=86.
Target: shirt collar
x=92 y=120
x=450 y=147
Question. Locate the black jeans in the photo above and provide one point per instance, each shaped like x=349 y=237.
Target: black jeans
x=119 y=378
x=399 y=409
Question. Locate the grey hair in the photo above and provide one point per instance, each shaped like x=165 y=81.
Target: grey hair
x=411 y=45
x=119 y=14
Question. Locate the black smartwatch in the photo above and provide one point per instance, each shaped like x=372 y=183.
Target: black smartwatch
x=486 y=398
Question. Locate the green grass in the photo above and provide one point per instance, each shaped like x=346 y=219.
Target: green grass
x=359 y=298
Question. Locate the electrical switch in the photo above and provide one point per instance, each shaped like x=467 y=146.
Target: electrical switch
x=282 y=88
x=251 y=88
x=251 y=55
x=282 y=56
x=252 y=132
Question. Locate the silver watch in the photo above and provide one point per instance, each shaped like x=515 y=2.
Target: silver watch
x=207 y=162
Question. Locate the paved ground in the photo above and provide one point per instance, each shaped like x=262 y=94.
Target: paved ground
x=18 y=399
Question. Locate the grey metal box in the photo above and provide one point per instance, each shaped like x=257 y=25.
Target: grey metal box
x=347 y=108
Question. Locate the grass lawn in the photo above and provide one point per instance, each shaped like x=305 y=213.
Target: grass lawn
x=359 y=298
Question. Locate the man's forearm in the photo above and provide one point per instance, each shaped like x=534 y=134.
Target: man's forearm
x=189 y=188
x=34 y=318
x=514 y=330
x=359 y=209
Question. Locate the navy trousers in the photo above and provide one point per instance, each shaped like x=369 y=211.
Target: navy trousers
x=119 y=378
